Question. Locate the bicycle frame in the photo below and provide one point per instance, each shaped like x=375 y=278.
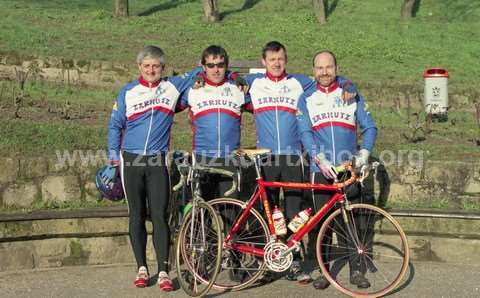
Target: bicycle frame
x=260 y=192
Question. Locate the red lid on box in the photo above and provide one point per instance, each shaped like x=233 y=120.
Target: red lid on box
x=435 y=73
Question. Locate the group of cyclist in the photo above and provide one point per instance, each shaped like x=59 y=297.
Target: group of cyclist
x=293 y=114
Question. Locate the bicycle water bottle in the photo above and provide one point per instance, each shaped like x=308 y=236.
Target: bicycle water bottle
x=299 y=220
x=279 y=221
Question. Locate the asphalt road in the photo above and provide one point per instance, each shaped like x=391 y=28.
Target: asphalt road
x=423 y=280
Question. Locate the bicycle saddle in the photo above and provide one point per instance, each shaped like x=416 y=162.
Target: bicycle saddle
x=253 y=152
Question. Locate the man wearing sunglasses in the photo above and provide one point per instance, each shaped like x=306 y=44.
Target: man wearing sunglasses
x=215 y=111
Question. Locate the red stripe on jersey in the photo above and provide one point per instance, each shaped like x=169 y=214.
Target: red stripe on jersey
x=136 y=115
x=280 y=108
x=160 y=109
x=215 y=110
x=335 y=123
x=164 y=110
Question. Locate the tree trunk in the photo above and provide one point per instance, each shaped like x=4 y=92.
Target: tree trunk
x=320 y=11
x=407 y=9
x=210 y=9
x=121 y=8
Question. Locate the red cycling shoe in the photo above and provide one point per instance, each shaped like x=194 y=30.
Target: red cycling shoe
x=141 y=280
x=164 y=282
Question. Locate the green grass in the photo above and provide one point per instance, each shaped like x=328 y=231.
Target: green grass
x=42 y=129
x=23 y=136
x=453 y=141
x=368 y=37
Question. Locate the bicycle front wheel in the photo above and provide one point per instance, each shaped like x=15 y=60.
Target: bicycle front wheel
x=199 y=250
x=362 y=251
x=239 y=269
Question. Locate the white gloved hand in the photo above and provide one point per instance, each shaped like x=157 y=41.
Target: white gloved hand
x=326 y=167
x=361 y=158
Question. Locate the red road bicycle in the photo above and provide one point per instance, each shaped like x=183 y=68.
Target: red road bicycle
x=351 y=234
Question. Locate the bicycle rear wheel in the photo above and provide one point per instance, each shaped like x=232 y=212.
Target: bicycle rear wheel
x=199 y=249
x=365 y=241
x=239 y=270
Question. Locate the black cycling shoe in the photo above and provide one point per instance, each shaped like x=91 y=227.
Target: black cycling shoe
x=321 y=283
x=292 y=271
x=295 y=273
x=358 y=279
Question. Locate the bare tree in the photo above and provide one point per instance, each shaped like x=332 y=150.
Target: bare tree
x=320 y=11
x=407 y=9
x=121 y=8
x=210 y=9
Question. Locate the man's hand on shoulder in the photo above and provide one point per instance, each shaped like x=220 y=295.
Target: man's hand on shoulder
x=198 y=82
x=349 y=92
x=241 y=83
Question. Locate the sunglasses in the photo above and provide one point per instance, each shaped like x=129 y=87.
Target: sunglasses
x=219 y=65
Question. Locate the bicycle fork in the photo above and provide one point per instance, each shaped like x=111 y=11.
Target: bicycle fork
x=351 y=229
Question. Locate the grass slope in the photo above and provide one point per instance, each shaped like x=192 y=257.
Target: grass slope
x=371 y=42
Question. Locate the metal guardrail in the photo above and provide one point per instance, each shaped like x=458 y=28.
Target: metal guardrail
x=435 y=214
x=122 y=211
x=108 y=212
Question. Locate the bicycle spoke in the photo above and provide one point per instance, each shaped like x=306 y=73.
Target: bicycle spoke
x=199 y=250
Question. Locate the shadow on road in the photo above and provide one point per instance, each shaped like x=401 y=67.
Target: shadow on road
x=407 y=282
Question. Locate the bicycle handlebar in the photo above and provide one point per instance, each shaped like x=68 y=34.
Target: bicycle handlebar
x=179 y=185
x=347 y=167
x=355 y=176
x=208 y=170
x=223 y=172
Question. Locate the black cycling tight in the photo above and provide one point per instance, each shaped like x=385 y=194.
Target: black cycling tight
x=147 y=185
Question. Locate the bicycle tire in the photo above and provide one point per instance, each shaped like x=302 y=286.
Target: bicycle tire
x=200 y=239
x=252 y=268
x=173 y=222
x=378 y=251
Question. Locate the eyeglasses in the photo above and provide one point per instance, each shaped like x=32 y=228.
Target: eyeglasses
x=219 y=65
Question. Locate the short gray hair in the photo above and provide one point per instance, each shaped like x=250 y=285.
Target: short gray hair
x=151 y=52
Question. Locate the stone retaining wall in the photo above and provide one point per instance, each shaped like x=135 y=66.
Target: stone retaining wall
x=437 y=182
x=69 y=71
x=105 y=73
x=26 y=182
x=96 y=241
x=41 y=181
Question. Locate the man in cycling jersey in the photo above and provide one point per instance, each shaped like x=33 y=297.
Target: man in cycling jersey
x=328 y=130
x=138 y=140
x=215 y=112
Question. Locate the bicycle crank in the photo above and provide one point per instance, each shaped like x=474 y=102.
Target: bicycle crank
x=276 y=257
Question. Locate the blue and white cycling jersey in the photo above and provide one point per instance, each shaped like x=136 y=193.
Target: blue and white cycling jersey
x=274 y=102
x=328 y=124
x=215 y=112
x=143 y=115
